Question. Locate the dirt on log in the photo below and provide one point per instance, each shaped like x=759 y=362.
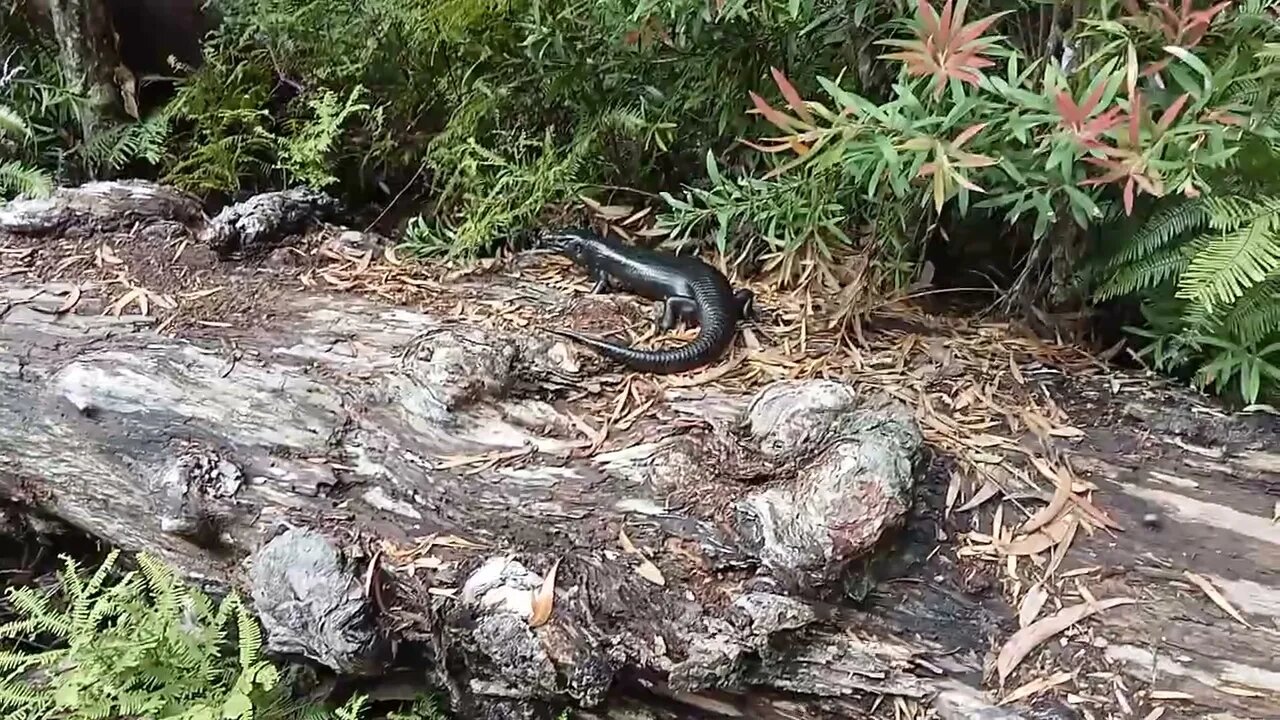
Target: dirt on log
x=424 y=496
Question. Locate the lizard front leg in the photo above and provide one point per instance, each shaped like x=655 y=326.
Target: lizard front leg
x=602 y=284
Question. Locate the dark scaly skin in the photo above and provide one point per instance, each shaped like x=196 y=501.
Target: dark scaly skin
x=690 y=289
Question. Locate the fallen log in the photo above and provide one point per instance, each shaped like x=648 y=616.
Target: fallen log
x=401 y=480
x=408 y=489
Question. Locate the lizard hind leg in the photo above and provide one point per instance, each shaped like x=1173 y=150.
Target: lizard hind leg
x=602 y=284
x=746 y=301
x=676 y=308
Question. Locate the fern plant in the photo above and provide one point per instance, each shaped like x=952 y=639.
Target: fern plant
x=40 y=137
x=139 y=645
x=1207 y=268
x=142 y=646
x=1213 y=265
x=16 y=177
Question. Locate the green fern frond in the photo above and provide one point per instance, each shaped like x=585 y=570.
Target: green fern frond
x=16 y=696
x=1170 y=222
x=1230 y=212
x=17 y=179
x=1150 y=272
x=37 y=610
x=1245 y=252
x=13 y=124
x=249 y=634
x=102 y=573
x=1256 y=315
x=168 y=595
x=143 y=645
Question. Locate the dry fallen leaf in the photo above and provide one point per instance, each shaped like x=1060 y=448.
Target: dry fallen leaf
x=1239 y=691
x=1064 y=544
x=647 y=569
x=134 y=295
x=1171 y=695
x=1015 y=371
x=105 y=255
x=73 y=297
x=1036 y=686
x=988 y=490
x=1032 y=604
x=1029 y=638
x=1217 y=598
x=953 y=493
x=1061 y=496
x=650 y=572
x=627 y=546
x=1066 y=431
x=544 y=600
x=198 y=294
x=1033 y=544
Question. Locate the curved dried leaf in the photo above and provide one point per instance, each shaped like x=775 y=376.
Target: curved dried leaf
x=988 y=490
x=1217 y=598
x=73 y=297
x=1033 y=544
x=544 y=601
x=1023 y=642
x=650 y=572
x=1031 y=605
x=1061 y=496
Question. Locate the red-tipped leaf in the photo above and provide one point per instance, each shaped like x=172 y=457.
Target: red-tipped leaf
x=1171 y=112
x=967 y=134
x=782 y=120
x=792 y=97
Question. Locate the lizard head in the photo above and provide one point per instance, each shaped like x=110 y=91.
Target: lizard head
x=577 y=245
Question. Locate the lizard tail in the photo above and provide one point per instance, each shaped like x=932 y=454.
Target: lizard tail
x=704 y=349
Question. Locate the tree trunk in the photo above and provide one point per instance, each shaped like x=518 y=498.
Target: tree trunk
x=90 y=61
x=403 y=490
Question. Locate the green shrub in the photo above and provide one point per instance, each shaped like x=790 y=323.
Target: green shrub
x=16 y=176
x=1157 y=103
x=505 y=106
x=890 y=122
x=1206 y=265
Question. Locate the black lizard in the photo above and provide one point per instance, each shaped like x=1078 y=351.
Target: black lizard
x=690 y=289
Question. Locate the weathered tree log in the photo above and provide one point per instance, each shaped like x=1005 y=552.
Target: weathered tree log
x=389 y=484
x=394 y=488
